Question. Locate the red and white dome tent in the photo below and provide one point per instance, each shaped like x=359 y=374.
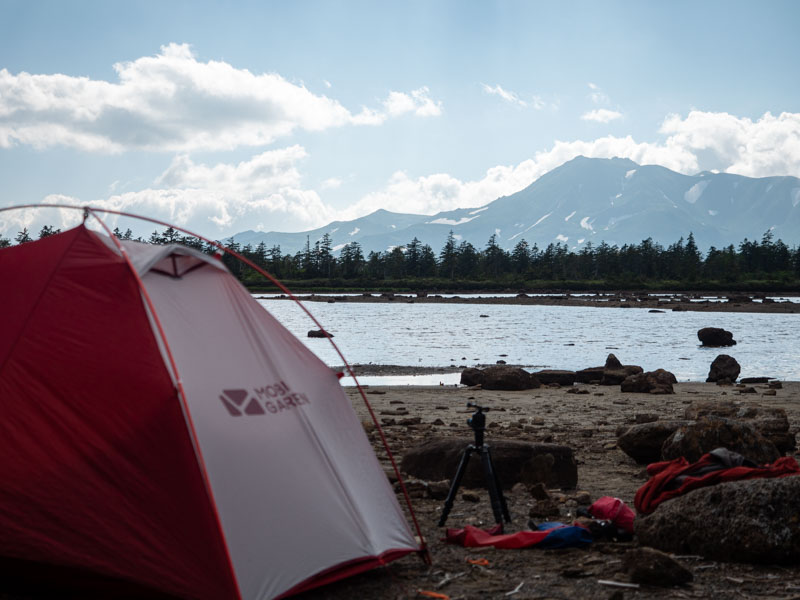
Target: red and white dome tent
x=158 y=425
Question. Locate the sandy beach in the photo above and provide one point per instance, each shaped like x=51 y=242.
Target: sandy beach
x=588 y=423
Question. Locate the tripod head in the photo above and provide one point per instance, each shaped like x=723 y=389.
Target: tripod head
x=478 y=422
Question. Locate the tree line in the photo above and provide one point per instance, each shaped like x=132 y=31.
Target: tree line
x=460 y=261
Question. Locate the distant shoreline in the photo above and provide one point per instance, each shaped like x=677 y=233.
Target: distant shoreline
x=733 y=302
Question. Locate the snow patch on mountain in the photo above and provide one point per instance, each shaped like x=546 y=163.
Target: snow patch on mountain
x=562 y=238
x=338 y=247
x=630 y=173
x=570 y=215
x=531 y=227
x=694 y=193
x=795 y=193
x=476 y=211
x=355 y=231
x=444 y=221
x=713 y=213
x=586 y=224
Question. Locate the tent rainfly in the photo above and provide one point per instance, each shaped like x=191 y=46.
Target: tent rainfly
x=159 y=426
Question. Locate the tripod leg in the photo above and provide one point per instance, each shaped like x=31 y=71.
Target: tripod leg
x=499 y=487
x=462 y=467
x=491 y=484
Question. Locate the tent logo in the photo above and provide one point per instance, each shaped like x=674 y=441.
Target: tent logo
x=272 y=399
x=236 y=401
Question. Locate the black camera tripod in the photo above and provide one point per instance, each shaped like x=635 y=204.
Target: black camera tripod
x=499 y=507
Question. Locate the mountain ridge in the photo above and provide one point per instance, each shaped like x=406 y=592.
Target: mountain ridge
x=584 y=200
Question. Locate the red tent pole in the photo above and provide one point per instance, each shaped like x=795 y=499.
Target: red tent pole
x=181 y=393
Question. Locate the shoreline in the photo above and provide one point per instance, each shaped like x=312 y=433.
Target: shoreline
x=744 y=303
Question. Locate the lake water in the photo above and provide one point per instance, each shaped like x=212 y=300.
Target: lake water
x=540 y=337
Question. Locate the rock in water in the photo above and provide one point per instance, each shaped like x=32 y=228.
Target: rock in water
x=753 y=521
x=319 y=333
x=723 y=367
x=693 y=440
x=715 y=337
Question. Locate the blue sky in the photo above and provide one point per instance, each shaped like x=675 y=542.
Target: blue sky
x=287 y=115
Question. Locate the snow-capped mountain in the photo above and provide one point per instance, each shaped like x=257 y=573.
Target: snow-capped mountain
x=588 y=200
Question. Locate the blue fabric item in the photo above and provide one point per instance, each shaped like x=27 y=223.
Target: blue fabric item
x=563 y=536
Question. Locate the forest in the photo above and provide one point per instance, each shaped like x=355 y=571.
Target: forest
x=767 y=264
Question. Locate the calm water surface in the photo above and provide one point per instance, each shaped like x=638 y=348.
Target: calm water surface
x=542 y=337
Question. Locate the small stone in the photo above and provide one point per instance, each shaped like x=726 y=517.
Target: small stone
x=653 y=567
x=645 y=418
x=539 y=492
x=470 y=497
x=769 y=393
x=583 y=498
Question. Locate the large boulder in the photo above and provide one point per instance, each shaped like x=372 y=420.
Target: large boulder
x=723 y=367
x=643 y=442
x=751 y=521
x=693 y=440
x=715 y=337
x=614 y=372
x=651 y=382
x=771 y=422
x=472 y=376
x=514 y=462
x=548 y=376
x=502 y=377
x=590 y=375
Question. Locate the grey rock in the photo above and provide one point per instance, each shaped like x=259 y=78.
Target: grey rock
x=651 y=382
x=753 y=521
x=472 y=376
x=653 y=567
x=503 y=377
x=643 y=442
x=514 y=461
x=693 y=440
x=548 y=376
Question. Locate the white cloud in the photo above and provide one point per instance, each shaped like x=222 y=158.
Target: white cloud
x=536 y=102
x=417 y=102
x=173 y=102
x=331 y=183
x=767 y=146
x=504 y=94
x=265 y=193
x=701 y=141
x=601 y=115
x=597 y=95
